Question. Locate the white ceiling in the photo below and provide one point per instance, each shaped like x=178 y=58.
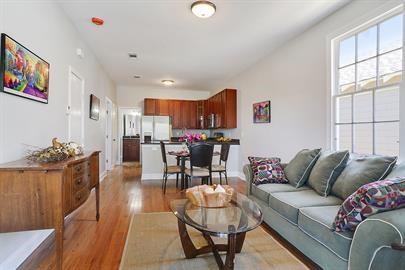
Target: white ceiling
x=172 y=43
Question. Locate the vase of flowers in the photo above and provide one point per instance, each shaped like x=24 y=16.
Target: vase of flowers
x=190 y=138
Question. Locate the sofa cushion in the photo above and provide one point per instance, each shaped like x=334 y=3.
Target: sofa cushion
x=397 y=171
x=267 y=170
x=262 y=192
x=326 y=170
x=299 y=168
x=368 y=200
x=287 y=204
x=317 y=223
x=360 y=171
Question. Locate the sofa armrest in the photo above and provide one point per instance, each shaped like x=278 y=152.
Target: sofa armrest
x=379 y=240
x=247 y=170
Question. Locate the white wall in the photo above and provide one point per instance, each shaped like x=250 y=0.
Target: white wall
x=43 y=28
x=46 y=31
x=295 y=77
x=131 y=96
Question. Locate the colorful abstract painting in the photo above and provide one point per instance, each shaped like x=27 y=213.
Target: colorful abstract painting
x=24 y=73
x=262 y=112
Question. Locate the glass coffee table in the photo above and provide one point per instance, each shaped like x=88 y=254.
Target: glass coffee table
x=232 y=221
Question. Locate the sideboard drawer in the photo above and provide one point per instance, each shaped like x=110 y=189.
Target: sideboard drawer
x=80 y=182
x=79 y=169
x=81 y=196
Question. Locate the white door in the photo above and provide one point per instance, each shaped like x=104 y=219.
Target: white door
x=108 y=136
x=75 y=108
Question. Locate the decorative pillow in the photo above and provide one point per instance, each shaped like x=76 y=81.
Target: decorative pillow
x=360 y=171
x=264 y=159
x=326 y=170
x=299 y=168
x=370 y=199
x=267 y=170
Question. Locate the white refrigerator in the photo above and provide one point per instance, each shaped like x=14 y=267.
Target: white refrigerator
x=157 y=127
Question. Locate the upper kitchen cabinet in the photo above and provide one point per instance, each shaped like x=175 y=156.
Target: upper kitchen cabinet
x=175 y=113
x=193 y=114
x=149 y=106
x=228 y=108
x=162 y=107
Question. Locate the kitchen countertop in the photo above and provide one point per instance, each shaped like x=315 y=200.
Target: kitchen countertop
x=232 y=142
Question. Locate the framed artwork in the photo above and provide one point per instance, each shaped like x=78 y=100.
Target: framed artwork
x=94 y=107
x=23 y=73
x=262 y=112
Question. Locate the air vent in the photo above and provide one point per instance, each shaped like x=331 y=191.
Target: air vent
x=132 y=55
x=137 y=76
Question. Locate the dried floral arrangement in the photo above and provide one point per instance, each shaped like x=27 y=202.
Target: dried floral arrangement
x=57 y=152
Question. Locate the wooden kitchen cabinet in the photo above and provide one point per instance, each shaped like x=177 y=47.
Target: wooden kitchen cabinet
x=149 y=106
x=186 y=113
x=189 y=114
x=131 y=150
x=175 y=113
x=162 y=107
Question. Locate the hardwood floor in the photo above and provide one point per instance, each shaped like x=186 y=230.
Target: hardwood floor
x=89 y=244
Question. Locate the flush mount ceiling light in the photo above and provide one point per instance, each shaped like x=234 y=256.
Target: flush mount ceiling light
x=168 y=82
x=203 y=9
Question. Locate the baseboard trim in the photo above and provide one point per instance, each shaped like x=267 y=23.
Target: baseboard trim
x=159 y=176
x=103 y=175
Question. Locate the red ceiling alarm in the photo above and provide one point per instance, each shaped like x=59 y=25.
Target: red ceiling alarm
x=97 y=21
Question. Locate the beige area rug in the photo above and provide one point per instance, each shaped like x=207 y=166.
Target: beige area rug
x=153 y=243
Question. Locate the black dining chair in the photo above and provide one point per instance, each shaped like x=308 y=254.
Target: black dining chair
x=223 y=159
x=168 y=170
x=200 y=162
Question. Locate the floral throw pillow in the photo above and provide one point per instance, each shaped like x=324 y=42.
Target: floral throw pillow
x=267 y=170
x=370 y=199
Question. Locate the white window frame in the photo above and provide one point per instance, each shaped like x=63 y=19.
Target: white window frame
x=334 y=82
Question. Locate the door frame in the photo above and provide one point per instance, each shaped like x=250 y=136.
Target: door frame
x=108 y=134
x=74 y=72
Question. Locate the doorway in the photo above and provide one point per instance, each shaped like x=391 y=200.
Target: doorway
x=75 y=108
x=108 y=135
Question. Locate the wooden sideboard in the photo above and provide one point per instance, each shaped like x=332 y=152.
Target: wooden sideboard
x=36 y=196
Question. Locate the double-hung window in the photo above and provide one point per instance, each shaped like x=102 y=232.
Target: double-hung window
x=368 y=75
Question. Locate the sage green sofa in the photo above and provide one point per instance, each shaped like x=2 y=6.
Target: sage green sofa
x=305 y=219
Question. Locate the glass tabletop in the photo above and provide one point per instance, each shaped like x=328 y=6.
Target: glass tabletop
x=240 y=215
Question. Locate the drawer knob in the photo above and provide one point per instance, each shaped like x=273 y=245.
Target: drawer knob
x=79 y=181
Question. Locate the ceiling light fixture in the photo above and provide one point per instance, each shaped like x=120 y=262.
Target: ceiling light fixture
x=168 y=82
x=203 y=9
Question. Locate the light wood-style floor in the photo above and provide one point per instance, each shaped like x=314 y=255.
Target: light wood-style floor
x=92 y=245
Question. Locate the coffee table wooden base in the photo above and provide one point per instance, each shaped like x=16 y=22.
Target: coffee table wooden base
x=235 y=243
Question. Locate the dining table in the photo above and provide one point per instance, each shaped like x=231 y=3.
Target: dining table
x=182 y=156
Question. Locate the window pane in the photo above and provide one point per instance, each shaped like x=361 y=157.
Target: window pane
x=347 y=51
x=387 y=139
x=363 y=139
x=344 y=137
x=367 y=44
x=387 y=104
x=363 y=107
x=390 y=66
x=391 y=34
x=367 y=73
x=344 y=109
x=347 y=78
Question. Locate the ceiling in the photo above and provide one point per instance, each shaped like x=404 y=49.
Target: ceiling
x=172 y=43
